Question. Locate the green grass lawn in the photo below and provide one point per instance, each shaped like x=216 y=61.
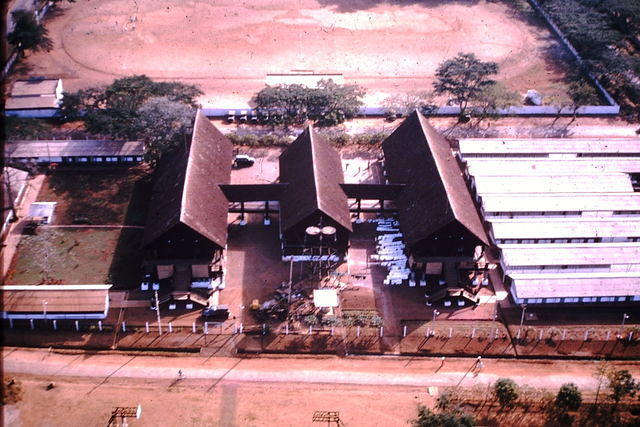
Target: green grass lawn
x=77 y=256
x=103 y=196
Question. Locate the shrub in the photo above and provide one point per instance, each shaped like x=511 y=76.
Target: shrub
x=506 y=390
x=568 y=398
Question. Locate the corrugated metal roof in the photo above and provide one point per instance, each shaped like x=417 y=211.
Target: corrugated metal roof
x=71 y=148
x=436 y=193
x=565 y=228
x=488 y=146
x=478 y=166
x=31 y=103
x=592 y=183
x=313 y=170
x=34 y=87
x=59 y=299
x=570 y=254
x=576 y=285
x=187 y=189
x=560 y=202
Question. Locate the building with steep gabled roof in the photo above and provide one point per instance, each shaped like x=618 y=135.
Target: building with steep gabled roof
x=437 y=213
x=313 y=197
x=188 y=213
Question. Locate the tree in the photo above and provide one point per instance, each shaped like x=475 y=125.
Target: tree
x=464 y=78
x=328 y=104
x=114 y=110
x=28 y=34
x=406 y=103
x=568 y=398
x=587 y=28
x=494 y=98
x=506 y=390
x=428 y=418
x=335 y=103
x=621 y=385
x=163 y=124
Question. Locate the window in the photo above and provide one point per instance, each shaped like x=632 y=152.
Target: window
x=571 y=299
x=553 y=300
x=534 y=300
x=589 y=299
x=128 y=159
x=635 y=298
x=96 y=159
x=622 y=299
x=607 y=299
x=138 y=158
x=83 y=159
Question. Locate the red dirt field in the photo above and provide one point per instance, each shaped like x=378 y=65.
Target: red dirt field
x=228 y=48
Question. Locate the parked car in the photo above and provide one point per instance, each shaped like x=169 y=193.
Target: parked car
x=243 y=161
x=218 y=313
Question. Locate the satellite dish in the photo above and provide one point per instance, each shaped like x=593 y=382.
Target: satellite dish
x=313 y=231
x=328 y=230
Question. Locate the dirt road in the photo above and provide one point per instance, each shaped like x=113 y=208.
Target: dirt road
x=421 y=372
x=283 y=391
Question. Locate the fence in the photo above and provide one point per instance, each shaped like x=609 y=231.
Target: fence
x=412 y=338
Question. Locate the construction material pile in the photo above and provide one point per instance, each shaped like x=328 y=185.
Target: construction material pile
x=390 y=251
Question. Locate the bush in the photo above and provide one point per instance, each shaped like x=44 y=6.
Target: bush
x=568 y=398
x=428 y=418
x=506 y=390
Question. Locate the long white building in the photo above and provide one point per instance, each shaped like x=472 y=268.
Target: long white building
x=564 y=214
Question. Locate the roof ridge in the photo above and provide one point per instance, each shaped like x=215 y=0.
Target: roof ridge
x=314 y=166
x=187 y=172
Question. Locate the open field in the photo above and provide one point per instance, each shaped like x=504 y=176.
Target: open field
x=103 y=197
x=387 y=48
x=77 y=256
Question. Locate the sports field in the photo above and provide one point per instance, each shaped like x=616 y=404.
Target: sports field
x=228 y=47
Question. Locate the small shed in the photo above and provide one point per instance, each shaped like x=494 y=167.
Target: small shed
x=35 y=98
x=74 y=152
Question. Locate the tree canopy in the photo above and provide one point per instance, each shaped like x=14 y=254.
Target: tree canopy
x=428 y=418
x=464 y=78
x=163 y=124
x=159 y=113
x=621 y=385
x=113 y=110
x=327 y=105
x=27 y=33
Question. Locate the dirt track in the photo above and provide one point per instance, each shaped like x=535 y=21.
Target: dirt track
x=228 y=47
x=261 y=392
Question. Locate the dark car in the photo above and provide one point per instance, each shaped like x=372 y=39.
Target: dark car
x=218 y=313
x=243 y=161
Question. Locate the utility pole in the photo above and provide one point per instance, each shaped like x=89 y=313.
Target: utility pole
x=158 y=312
x=524 y=308
x=625 y=316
